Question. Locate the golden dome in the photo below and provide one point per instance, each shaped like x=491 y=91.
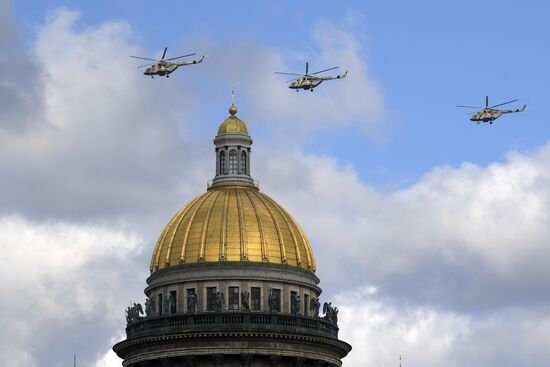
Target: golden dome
x=232 y=223
x=233 y=124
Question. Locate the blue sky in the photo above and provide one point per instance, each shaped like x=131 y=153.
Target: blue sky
x=426 y=56
x=429 y=231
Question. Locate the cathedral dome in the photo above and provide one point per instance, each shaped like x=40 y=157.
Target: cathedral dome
x=233 y=223
x=233 y=124
x=232 y=280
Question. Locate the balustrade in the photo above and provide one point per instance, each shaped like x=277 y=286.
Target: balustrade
x=232 y=321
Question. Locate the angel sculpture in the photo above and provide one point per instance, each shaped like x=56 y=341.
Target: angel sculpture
x=220 y=300
x=331 y=313
x=149 y=307
x=192 y=302
x=133 y=313
x=315 y=305
x=245 y=297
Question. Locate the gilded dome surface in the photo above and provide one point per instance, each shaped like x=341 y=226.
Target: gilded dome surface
x=232 y=223
x=234 y=125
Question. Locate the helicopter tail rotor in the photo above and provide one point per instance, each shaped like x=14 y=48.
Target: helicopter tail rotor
x=523 y=108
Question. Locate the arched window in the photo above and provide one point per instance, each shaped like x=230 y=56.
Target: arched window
x=232 y=162
x=243 y=163
x=222 y=163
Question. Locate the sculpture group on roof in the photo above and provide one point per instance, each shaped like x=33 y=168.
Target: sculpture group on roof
x=134 y=312
x=331 y=313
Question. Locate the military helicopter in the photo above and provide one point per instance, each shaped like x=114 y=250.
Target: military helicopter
x=163 y=67
x=490 y=114
x=309 y=81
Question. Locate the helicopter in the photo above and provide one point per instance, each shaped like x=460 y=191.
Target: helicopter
x=490 y=114
x=309 y=81
x=164 y=67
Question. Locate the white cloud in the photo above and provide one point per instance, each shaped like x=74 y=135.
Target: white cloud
x=354 y=101
x=468 y=237
x=57 y=277
x=103 y=141
x=380 y=330
x=109 y=359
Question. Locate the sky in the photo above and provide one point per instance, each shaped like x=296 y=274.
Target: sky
x=429 y=231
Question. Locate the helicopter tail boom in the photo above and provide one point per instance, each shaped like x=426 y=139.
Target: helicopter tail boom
x=343 y=75
x=516 y=110
x=183 y=63
x=340 y=76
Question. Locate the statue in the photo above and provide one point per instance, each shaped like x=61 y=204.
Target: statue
x=245 y=297
x=295 y=305
x=133 y=314
x=273 y=301
x=331 y=313
x=192 y=302
x=220 y=301
x=166 y=305
x=315 y=305
x=128 y=316
x=149 y=307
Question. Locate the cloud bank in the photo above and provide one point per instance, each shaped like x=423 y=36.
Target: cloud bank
x=95 y=158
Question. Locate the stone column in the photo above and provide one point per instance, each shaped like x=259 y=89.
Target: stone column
x=217 y=161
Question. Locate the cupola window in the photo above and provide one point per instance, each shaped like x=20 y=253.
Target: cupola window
x=233 y=298
x=232 y=162
x=243 y=163
x=255 y=298
x=222 y=163
x=210 y=298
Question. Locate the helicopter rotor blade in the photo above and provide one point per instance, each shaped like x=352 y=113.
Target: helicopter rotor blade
x=502 y=104
x=307 y=67
x=479 y=108
x=142 y=66
x=144 y=58
x=486 y=101
x=322 y=71
x=179 y=57
x=278 y=72
x=164 y=53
